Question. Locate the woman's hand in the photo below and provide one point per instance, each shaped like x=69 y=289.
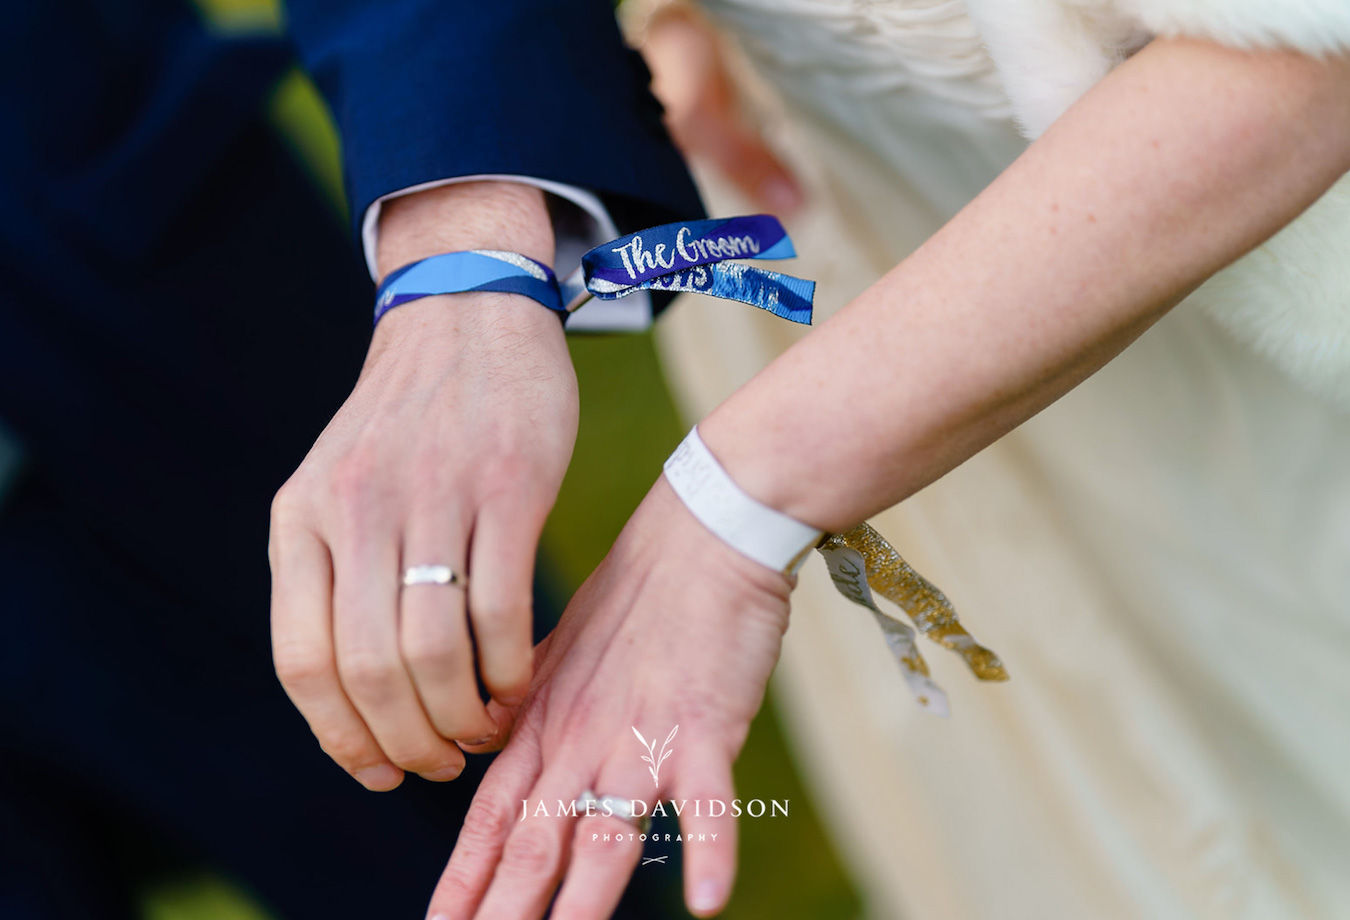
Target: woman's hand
x=674 y=628
x=1172 y=167
x=450 y=451
x=703 y=112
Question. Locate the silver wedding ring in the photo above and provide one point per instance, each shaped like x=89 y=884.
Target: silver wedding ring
x=611 y=806
x=432 y=575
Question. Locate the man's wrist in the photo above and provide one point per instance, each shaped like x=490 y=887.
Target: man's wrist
x=473 y=215
x=508 y=333
x=506 y=216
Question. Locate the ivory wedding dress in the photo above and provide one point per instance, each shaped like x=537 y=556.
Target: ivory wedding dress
x=1162 y=559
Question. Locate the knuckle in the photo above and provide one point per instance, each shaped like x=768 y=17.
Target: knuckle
x=289 y=513
x=348 y=749
x=529 y=853
x=416 y=758
x=286 y=505
x=580 y=715
x=696 y=711
x=428 y=656
x=512 y=481
x=299 y=668
x=704 y=710
x=485 y=822
x=353 y=477
x=457 y=884
x=464 y=726
x=503 y=616
x=431 y=470
x=511 y=469
x=368 y=677
x=597 y=848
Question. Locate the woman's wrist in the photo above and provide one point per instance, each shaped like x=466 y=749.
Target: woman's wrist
x=664 y=526
x=771 y=461
x=752 y=528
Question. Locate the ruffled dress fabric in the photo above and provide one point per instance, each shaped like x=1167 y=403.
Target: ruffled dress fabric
x=1162 y=558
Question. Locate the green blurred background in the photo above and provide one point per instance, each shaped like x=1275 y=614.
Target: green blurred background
x=628 y=425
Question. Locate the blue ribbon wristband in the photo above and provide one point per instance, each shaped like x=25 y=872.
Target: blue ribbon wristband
x=474 y=270
x=693 y=256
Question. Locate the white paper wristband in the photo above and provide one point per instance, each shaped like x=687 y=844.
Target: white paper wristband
x=753 y=529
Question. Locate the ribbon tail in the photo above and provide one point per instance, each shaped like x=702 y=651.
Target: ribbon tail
x=900 y=640
x=848 y=572
x=894 y=579
x=782 y=295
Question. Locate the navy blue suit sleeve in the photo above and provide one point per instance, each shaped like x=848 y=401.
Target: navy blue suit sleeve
x=432 y=89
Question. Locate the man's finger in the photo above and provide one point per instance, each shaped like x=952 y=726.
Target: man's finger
x=501 y=595
x=434 y=634
x=369 y=660
x=503 y=715
x=302 y=650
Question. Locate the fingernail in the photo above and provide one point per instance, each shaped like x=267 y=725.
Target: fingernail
x=444 y=774
x=707 y=896
x=780 y=195
x=379 y=778
x=474 y=742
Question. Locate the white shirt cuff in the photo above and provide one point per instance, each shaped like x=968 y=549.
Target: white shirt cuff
x=574 y=237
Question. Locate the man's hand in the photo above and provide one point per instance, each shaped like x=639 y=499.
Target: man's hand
x=450 y=451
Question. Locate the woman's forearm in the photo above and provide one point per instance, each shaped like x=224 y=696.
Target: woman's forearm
x=1180 y=161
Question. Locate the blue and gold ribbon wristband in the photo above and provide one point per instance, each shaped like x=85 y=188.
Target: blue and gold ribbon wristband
x=691 y=256
x=472 y=270
x=695 y=257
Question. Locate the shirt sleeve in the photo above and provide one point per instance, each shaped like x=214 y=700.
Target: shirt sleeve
x=580 y=223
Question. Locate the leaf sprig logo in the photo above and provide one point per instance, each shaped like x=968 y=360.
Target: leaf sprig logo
x=639 y=811
x=654 y=758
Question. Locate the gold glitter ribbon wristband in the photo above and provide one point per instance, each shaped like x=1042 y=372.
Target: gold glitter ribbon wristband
x=860 y=562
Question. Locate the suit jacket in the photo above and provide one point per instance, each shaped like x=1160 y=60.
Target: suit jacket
x=181 y=313
x=541 y=88
x=143 y=348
